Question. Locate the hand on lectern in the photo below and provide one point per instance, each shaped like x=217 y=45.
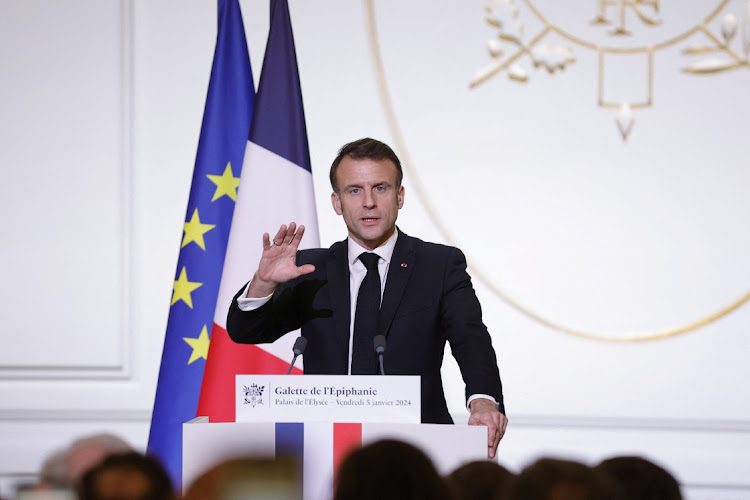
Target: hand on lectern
x=484 y=412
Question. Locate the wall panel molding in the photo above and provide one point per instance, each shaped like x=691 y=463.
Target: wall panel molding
x=623 y=423
x=122 y=368
x=74 y=415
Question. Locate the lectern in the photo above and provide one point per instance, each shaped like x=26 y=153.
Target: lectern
x=319 y=419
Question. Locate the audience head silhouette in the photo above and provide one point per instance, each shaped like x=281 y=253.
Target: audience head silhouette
x=554 y=479
x=389 y=469
x=127 y=476
x=248 y=477
x=642 y=479
x=480 y=480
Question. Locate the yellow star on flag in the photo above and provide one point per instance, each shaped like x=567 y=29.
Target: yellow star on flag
x=199 y=345
x=183 y=288
x=194 y=231
x=226 y=184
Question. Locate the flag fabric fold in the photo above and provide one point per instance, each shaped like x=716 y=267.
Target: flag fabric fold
x=276 y=188
x=221 y=147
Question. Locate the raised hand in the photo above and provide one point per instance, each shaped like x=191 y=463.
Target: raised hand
x=278 y=262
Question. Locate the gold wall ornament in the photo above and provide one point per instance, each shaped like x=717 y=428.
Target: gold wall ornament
x=730 y=59
x=624 y=122
x=646 y=10
x=504 y=16
x=511 y=45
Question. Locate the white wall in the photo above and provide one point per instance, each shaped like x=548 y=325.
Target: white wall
x=101 y=104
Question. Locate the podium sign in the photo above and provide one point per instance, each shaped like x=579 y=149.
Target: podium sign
x=331 y=398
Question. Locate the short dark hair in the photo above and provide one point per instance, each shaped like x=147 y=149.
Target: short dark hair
x=389 y=469
x=642 y=479
x=159 y=486
x=549 y=478
x=366 y=148
x=480 y=480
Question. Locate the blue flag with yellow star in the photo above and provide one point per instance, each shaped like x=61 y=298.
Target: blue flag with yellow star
x=221 y=148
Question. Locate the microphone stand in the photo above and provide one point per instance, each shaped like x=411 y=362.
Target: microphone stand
x=299 y=348
x=379 y=343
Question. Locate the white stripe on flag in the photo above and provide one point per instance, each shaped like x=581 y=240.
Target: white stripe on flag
x=273 y=191
x=318 y=467
x=220 y=441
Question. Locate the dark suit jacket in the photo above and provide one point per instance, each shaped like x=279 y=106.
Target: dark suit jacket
x=428 y=299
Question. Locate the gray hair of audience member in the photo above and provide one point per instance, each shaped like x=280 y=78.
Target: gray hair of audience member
x=89 y=451
x=248 y=477
x=642 y=479
x=556 y=479
x=389 y=469
x=53 y=469
x=480 y=480
x=126 y=476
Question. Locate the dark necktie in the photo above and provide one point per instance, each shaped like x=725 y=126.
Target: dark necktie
x=364 y=359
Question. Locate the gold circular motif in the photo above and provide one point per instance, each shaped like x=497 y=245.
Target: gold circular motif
x=626 y=50
x=407 y=163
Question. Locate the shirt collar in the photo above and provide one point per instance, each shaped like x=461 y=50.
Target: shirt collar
x=384 y=251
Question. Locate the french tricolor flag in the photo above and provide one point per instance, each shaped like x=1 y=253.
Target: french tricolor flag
x=319 y=447
x=275 y=188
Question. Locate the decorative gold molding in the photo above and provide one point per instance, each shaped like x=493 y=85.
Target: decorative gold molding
x=504 y=16
x=418 y=187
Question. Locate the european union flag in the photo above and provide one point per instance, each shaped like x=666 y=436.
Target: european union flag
x=221 y=148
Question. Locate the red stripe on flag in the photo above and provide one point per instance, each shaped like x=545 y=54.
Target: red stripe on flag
x=346 y=437
x=225 y=360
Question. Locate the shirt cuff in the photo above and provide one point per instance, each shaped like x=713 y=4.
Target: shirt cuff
x=251 y=303
x=477 y=396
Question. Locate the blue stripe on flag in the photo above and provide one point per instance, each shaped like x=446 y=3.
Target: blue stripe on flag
x=279 y=119
x=290 y=442
x=221 y=149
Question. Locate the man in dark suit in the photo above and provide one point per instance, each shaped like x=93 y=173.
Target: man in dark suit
x=423 y=292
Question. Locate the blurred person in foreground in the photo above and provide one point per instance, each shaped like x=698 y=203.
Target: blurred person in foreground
x=556 y=479
x=64 y=468
x=389 y=469
x=248 y=477
x=642 y=479
x=126 y=476
x=480 y=480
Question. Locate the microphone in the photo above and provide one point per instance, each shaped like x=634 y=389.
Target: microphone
x=299 y=348
x=379 y=343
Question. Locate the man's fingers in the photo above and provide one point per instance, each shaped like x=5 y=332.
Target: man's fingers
x=494 y=440
x=491 y=435
x=278 y=239
x=496 y=423
x=298 y=236
x=289 y=235
x=306 y=269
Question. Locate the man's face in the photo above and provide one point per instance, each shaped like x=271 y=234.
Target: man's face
x=368 y=199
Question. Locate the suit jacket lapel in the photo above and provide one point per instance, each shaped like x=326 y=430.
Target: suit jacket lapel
x=399 y=271
x=337 y=271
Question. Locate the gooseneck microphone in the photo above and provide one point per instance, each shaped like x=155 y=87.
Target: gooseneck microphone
x=379 y=343
x=299 y=349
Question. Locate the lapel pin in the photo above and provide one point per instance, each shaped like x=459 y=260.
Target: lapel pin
x=403 y=264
